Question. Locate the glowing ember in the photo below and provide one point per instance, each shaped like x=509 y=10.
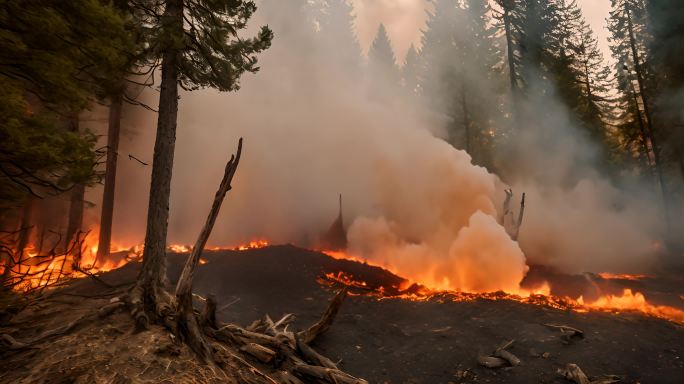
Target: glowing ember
x=252 y=245
x=633 y=301
x=43 y=270
x=621 y=276
x=541 y=295
x=177 y=248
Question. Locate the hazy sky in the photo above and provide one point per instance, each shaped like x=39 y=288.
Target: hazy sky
x=405 y=18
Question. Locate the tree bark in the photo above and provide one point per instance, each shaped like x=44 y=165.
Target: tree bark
x=75 y=221
x=466 y=118
x=23 y=239
x=507 y=6
x=152 y=280
x=113 y=132
x=649 y=117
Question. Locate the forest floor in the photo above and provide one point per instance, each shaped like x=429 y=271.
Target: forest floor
x=391 y=340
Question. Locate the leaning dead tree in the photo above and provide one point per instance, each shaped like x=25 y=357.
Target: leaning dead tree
x=265 y=341
x=508 y=219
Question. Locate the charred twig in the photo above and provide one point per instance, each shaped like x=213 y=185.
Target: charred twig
x=504 y=354
x=131 y=157
x=568 y=334
x=573 y=372
x=500 y=358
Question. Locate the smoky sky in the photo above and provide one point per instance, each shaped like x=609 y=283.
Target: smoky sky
x=404 y=20
x=412 y=202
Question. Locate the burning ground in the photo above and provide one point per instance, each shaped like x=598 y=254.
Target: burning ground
x=387 y=330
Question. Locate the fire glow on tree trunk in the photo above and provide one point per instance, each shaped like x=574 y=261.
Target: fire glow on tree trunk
x=153 y=274
x=75 y=223
x=113 y=133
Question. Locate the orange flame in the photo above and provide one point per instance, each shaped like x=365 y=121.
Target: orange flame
x=621 y=276
x=541 y=295
x=633 y=301
x=252 y=245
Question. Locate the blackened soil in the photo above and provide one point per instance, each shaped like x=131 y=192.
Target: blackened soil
x=402 y=341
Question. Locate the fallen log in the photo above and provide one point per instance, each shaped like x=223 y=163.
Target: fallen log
x=568 y=334
x=235 y=334
x=500 y=358
x=509 y=357
x=574 y=373
x=491 y=361
x=313 y=357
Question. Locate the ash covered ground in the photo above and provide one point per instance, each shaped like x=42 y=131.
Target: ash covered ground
x=402 y=341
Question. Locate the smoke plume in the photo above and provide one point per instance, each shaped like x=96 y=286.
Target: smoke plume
x=411 y=201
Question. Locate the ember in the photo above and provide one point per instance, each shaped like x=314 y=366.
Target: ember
x=628 y=301
x=40 y=269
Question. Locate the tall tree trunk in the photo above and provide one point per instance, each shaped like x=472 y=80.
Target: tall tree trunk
x=107 y=215
x=643 y=133
x=647 y=112
x=466 y=119
x=152 y=281
x=509 y=47
x=507 y=5
x=75 y=223
x=24 y=229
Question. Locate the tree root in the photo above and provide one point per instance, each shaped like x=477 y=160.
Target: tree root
x=265 y=343
x=268 y=342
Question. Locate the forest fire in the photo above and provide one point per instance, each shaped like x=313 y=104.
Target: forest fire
x=622 y=276
x=627 y=301
x=38 y=269
x=512 y=174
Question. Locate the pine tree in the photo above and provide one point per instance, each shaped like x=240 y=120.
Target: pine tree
x=116 y=93
x=576 y=68
x=57 y=56
x=441 y=75
x=336 y=30
x=382 y=66
x=594 y=79
x=509 y=16
x=409 y=71
x=459 y=75
x=666 y=24
x=482 y=78
x=630 y=38
x=198 y=46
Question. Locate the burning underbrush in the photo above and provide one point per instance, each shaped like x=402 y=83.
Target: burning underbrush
x=34 y=267
x=35 y=271
x=624 y=300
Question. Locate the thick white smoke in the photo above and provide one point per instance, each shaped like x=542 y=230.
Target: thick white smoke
x=411 y=201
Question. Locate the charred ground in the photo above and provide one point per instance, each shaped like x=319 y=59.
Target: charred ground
x=390 y=340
